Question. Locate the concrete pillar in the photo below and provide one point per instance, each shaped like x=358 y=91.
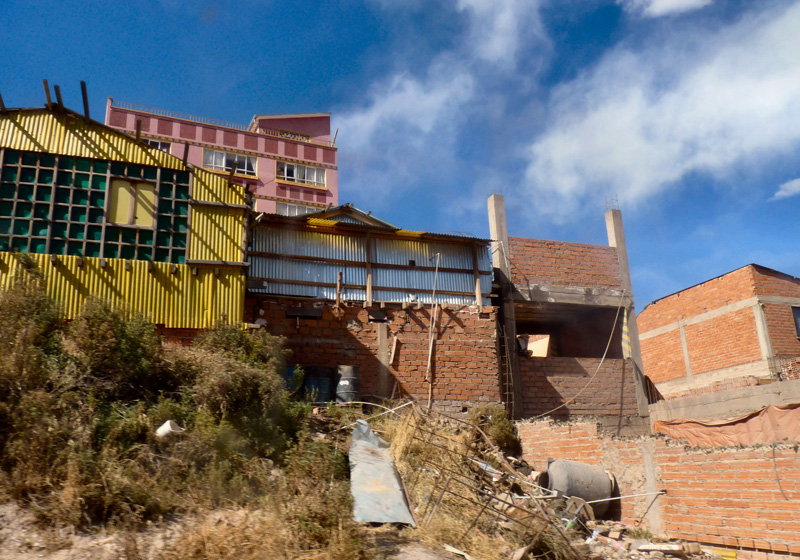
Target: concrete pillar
x=616 y=239
x=498 y=231
x=501 y=262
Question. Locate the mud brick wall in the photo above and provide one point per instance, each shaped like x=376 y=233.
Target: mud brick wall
x=557 y=263
x=465 y=363
x=550 y=382
x=747 y=499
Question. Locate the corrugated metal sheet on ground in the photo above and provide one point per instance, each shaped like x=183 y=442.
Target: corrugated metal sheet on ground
x=378 y=495
x=179 y=300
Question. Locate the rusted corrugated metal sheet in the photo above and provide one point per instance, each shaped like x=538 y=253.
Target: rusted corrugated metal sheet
x=180 y=300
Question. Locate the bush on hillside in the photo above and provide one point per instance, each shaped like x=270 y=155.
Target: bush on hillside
x=79 y=407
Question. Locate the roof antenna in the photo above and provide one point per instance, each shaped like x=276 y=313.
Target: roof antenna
x=85 y=99
x=335 y=134
x=612 y=203
x=47 y=94
x=58 y=97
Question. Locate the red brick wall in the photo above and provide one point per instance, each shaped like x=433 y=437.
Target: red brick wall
x=465 y=358
x=557 y=263
x=713 y=294
x=733 y=498
x=549 y=382
x=662 y=357
x=725 y=341
x=742 y=498
x=782 y=332
x=774 y=283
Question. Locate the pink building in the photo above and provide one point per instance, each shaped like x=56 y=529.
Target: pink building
x=287 y=162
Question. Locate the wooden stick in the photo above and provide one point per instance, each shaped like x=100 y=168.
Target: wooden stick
x=85 y=99
x=47 y=94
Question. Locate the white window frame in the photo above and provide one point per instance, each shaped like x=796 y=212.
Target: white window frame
x=157 y=144
x=286 y=209
x=302 y=174
x=218 y=160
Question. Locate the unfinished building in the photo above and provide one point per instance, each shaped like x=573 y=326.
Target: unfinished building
x=408 y=310
x=563 y=319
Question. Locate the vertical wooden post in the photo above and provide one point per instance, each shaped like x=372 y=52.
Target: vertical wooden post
x=477 y=275
x=368 y=254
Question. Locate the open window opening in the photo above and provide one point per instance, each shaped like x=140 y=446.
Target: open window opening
x=574 y=331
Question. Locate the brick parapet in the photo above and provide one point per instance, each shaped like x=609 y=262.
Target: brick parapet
x=557 y=263
x=747 y=499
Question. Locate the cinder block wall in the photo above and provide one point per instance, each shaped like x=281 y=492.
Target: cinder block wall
x=550 y=382
x=465 y=363
x=746 y=499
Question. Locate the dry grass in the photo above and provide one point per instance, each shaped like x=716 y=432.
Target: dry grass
x=429 y=450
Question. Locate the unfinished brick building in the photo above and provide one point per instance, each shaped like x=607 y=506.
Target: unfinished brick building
x=409 y=310
x=563 y=309
x=737 y=330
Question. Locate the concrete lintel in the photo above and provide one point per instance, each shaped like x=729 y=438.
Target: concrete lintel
x=706 y=316
x=696 y=381
x=725 y=404
x=600 y=297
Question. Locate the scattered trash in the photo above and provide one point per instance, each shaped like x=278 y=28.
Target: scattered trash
x=378 y=493
x=167 y=428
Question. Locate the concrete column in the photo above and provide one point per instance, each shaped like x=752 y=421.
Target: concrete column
x=498 y=231
x=616 y=239
x=687 y=362
x=762 y=331
x=501 y=262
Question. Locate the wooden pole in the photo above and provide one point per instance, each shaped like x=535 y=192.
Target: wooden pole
x=85 y=99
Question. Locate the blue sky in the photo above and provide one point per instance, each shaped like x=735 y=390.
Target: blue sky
x=686 y=112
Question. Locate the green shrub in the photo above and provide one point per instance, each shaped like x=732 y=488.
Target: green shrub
x=120 y=356
x=494 y=421
x=30 y=328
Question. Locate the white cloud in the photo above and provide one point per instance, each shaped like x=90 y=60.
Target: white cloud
x=642 y=121
x=410 y=122
x=407 y=125
x=658 y=8
x=789 y=188
x=498 y=28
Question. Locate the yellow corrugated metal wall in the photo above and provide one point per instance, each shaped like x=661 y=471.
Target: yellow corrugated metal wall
x=216 y=233
x=179 y=300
